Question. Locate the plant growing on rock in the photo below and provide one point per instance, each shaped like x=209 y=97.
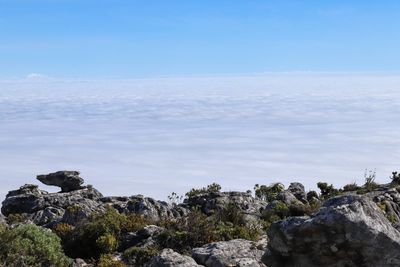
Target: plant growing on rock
x=395 y=178
x=107 y=260
x=268 y=193
x=101 y=233
x=211 y=188
x=327 y=191
x=138 y=256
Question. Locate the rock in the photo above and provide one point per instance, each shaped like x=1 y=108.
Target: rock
x=67 y=180
x=238 y=252
x=3 y=219
x=347 y=231
x=43 y=208
x=80 y=263
x=145 y=237
x=150 y=208
x=287 y=197
x=298 y=191
x=170 y=258
x=213 y=202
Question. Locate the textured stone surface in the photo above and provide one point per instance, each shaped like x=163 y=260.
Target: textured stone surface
x=347 y=231
x=43 y=208
x=236 y=252
x=143 y=238
x=170 y=258
x=67 y=180
x=210 y=203
x=150 y=208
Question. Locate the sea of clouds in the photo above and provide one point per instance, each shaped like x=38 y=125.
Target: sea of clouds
x=154 y=136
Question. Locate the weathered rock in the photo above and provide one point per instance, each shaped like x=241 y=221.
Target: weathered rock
x=298 y=191
x=213 y=202
x=80 y=263
x=170 y=258
x=145 y=237
x=67 y=180
x=148 y=207
x=238 y=252
x=2 y=219
x=287 y=197
x=347 y=231
x=43 y=208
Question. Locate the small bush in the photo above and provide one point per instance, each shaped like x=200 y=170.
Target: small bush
x=107 y=260
x=268 y=193
x=31 y=245
x=395 y=178
x=350 y=187
x=101 y=233
x=327 y=191
x=107 y=243
x=211 y=188
x=63 y=229
x=16 y=218
x=139 y=256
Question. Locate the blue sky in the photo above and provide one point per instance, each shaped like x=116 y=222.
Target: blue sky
x=85 y=38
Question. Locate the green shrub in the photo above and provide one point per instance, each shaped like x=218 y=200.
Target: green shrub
x=101 y=233
x=137 y=256
x=16 y=218
x=268 y=193
x=31 y=245
x=211 y=188
x=395 y=178
x=327 y=191
x=107 y=243
x=63 y=229
x=350 y=187
x=107 y=260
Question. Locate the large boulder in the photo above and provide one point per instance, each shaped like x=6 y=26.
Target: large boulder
x=298 y=191
x=67 y=180
x=150 y=208
x=212 y=202
x=43 y=208
x=144 y=238
x=238 y=252
x=170 y=258
x=347 y=231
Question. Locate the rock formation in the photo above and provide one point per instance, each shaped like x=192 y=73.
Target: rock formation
x=236 y=252
x=170 y=258
x=347 y=231
x=67 y=180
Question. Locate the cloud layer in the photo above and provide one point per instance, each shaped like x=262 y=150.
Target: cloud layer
x=155 y=136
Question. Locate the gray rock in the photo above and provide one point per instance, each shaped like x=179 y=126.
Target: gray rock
x=67 y=180
x=150 y=208
x=347 y=231
x=170 y=258
x=145 y=237
x=287 y=197
x=238 y=252
x=210 y=203
x=43 y=208
x=80 y=263
x=298 y=191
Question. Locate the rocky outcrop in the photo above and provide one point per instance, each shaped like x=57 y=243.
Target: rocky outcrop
x=170 y=258
x=347 y=231
x=297 y=189
x=67 y=180
x=143 y=238
x=43 y=208
x=238 y=252
x=150 y=208
x=210 y=203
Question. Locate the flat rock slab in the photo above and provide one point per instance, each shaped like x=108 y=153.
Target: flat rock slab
x=67 y=180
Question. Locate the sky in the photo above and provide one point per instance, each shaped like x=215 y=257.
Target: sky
x=128 y=39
